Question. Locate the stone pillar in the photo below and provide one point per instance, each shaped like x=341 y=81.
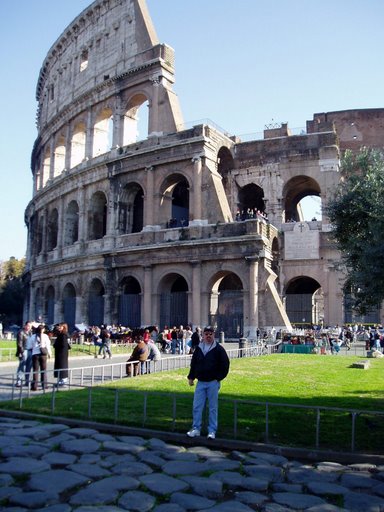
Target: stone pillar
x=89 y=136
x=68 y=148
x=251 y=320
x=153 y=114
x=147 y=297
x=60 y=227
x=196 y=292
x=52 y=158
x=118 y=124
x=196 y=199
x=149 y=201
x=82 y=214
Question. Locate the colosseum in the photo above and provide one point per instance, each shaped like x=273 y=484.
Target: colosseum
x=165 y=224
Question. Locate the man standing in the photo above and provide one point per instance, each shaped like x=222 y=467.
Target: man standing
x=25 y=358
x=209 y=365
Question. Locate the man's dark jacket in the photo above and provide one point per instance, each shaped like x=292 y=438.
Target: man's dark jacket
x=212 y=366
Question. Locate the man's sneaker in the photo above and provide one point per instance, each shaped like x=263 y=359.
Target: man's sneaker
x=193 y=432
x=211 y=435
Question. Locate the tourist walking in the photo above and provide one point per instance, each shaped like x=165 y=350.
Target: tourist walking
x=209 y=365
x=41 y=350
x=61 y=347
x=24 y=355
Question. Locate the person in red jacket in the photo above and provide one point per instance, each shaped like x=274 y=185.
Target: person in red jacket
x=209 y=365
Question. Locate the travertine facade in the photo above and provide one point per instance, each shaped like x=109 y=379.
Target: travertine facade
x=148 y=231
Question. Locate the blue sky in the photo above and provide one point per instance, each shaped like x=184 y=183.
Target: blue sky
x=242 y=64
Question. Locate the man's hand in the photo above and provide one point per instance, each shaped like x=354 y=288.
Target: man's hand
x=191 y=382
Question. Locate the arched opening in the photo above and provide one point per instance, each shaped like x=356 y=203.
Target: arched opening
x=59 y=157
x=251 y=201
x=102 y=133
x=71 y=227
x=226 y=305
x=78 y=145
x=50 y=305
x=97 y=216
x=96 y=303
x=180 y=204
x=130 y=303
x=131 y=209
x=302 y=199
x=173 y=301
x=304 y=302
x=69 y=306
x=352 y=316
x=136 y=120
x=52 y=230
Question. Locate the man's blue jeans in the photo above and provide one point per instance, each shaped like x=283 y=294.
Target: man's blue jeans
x=206 y=391
x=25 y=366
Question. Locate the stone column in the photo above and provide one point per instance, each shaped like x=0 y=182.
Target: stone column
x=147 y=297
x=196 y=198
x=60 y=227
x=251 y=321
x=89 y=136
x=196 y=292
x=68 y=148
x=82 y=214
x=52 y=158
x=118 y=124
x=149 y=199
x=153 y=114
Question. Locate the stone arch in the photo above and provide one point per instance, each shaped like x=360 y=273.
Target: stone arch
x=69 y=305
x=295 y=190
x=173 y=292
x=251 y=200
x=97 y=216
x=52 y=229
x=96 y=302
x=304 y=301
x=71 y=223
x=136 y=119
x=225 y=164
x=102 y=132
x=59 y=156
x=130 y=302
x=175 y=200
x=131 y=209
x=226 y=310
x=78 y=142
x=50 y=305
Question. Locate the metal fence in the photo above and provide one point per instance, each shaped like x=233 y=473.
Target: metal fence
x=242 y=411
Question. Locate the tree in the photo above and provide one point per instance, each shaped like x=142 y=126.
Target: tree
x=11 y=290
x=357 y=215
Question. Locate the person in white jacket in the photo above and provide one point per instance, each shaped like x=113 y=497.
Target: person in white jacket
x=41 y=350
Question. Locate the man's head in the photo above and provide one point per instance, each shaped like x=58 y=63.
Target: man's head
x=208 y=334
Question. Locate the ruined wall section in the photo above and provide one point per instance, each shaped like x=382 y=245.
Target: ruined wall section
x=355 y=128
x=104 y=41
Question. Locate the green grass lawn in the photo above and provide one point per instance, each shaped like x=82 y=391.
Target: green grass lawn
x=292 y=379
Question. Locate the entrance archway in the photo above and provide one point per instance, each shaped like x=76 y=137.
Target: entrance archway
x=226 y=305
x=296 y=191
x=130 y=303
x=69 y=306
x=96 y=303
x=304 y=301
x=173 y=301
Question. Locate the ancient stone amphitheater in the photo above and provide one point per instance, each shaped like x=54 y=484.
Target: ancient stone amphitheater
x=137 y=219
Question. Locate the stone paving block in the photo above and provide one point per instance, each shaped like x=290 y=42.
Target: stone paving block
x=297 y=501
x=79 y=446
x=359 y=502
x=23 y=466
x=131 y=469
x=58 y=479
x=207 y=487
x=34 y=499
x=163 y=484
x=137 y=501
x=89 y=470
x=191 y=501
x=104 y=491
